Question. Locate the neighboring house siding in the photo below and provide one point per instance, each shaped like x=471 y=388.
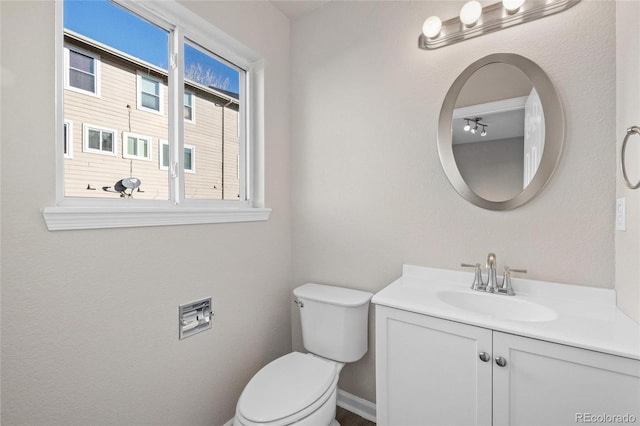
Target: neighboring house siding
x=118 y=88
x=231 y=152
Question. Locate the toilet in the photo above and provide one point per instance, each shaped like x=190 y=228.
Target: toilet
x=301 y=388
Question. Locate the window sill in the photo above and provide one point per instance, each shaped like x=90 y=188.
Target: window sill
x=70 y=218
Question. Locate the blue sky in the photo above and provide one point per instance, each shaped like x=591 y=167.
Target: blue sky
x=109 y=24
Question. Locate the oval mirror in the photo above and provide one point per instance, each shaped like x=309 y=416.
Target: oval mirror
x=501 y=131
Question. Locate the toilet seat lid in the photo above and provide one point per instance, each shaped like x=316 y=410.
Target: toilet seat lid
x=285 y=386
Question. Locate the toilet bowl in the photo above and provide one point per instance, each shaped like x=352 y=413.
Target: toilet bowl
x=295 y=389
x=301 y=389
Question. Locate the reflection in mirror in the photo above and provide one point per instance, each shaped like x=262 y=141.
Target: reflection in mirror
x=501 y=131
x=495 y=155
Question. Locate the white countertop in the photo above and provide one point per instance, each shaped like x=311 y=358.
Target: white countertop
x=587 y=317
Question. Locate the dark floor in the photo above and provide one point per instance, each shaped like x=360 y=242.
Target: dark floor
x=347 y=418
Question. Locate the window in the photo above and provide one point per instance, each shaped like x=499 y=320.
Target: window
x=216 y=82
x=136 y=146
x=189 y=157
x=68 y=139
x=98 y=140
x=167 y=49
x=149 y=93
x=81 y=70
x=189 y=107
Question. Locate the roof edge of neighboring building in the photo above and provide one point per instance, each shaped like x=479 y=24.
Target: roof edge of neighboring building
x=224 y=94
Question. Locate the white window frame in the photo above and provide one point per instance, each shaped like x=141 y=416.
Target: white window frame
x=94 y=213
x=140 y=76
x=186 y=146
x=138 y=137
x=68 y=139
x=85 y=139
x=193 y=107
x=67 y=65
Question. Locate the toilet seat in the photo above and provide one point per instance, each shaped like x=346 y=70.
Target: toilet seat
x=288 y=389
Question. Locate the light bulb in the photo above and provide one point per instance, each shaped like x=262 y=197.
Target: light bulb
x=484 y=132
x=470 y=12
x=474 y=130
x=432 y=26
x=512 y=5
x=467 y=127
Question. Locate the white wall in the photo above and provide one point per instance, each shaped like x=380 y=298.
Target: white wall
x=369 y=192
x=628 y=114
x=89 y=318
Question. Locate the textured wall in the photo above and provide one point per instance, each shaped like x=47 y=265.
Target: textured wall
x=369 y=192
x=627 y=115
x=89 y=318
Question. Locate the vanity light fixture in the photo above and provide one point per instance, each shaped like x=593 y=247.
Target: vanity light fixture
x=476 y=125
x=475 y=20
x=432 y=26
x=470 y=13
x=512 y=6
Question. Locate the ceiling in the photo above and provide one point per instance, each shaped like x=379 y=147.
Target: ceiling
x=294 y=9
x=504 y=119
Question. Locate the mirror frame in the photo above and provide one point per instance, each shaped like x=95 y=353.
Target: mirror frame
x=554 y=131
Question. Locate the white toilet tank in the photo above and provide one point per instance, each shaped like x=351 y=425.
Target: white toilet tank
x=334 y=321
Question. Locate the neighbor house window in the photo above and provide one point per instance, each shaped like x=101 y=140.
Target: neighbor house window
x=136 y=146
x=68 y=139
x=149 y=93
x=81 y=70
x=98 y=140
x=189 y=157
x=189 y=112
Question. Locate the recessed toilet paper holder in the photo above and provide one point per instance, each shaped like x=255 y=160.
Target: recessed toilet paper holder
x=194 y=317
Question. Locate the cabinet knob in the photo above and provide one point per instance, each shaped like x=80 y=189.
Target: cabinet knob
x=501 y=361
x=484 y=357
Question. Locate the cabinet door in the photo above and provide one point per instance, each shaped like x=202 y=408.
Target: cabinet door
x=545 y=383
x=428 y=371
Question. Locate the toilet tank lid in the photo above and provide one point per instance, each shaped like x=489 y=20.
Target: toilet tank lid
x=331 y=294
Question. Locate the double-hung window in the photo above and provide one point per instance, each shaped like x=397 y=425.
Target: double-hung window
x=68 y=139
x=149 y=93
x=189 y=107
x=145 y=74
x=82 y=70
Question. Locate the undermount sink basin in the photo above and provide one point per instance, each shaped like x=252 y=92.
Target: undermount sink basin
x=498 y=306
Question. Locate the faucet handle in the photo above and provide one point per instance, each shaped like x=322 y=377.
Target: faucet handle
x=477 y=279
x=506 y=287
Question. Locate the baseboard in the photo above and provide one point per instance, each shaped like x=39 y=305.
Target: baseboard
x=357 y=405
x=350 y=402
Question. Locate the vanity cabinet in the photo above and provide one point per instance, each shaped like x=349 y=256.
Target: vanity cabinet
x=432 y=371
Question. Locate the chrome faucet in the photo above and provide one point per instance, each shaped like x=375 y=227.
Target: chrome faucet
x=492 y=280
x=492 y=286
x=478 y=283
x=506 y=288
